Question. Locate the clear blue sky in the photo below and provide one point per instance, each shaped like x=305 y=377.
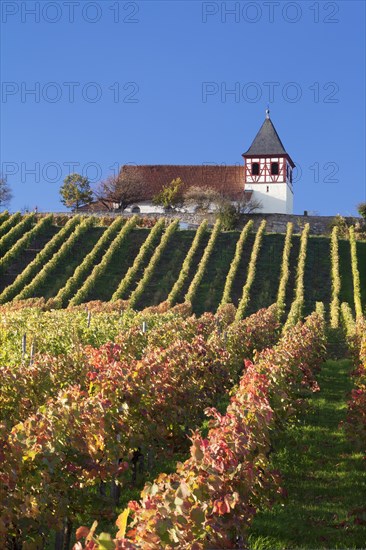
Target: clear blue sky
x=148 y=82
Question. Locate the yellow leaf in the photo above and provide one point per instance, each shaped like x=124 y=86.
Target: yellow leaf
x=92 y=531
x=122 y=523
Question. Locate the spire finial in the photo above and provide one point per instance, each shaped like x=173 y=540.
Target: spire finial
x=267 y=112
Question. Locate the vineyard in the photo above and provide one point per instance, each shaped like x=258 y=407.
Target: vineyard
x=79 y=260
x=174 y=389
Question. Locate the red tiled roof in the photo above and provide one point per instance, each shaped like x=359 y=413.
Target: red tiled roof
x=228 y=180
x=95 y=206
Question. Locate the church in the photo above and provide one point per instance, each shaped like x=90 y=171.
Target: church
x=268 y=171
x=265 y=177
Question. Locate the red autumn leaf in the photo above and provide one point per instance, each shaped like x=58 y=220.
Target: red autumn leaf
x=133 y=505
x=82 y=532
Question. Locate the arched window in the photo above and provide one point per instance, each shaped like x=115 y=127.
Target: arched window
x=255 y=169
x=274 y=168
x=135 y=209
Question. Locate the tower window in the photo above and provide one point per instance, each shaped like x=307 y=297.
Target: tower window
x=255 y=169
x=274 y=168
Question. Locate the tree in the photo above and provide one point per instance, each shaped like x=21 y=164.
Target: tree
x=171 y=195
x=76 y=191
x=5 y=192
x=228 y=215
x=208 y=198
x=201 y=198
x=362 y=209
x=248 y=204
x=116 y=192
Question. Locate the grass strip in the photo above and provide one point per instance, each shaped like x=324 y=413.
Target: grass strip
x=323 y=474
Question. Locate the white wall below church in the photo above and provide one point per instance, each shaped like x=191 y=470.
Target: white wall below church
x=146 y=208
x=150 y=208
x=277 y=200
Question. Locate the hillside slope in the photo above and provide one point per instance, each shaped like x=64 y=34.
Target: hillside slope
x=317 y=283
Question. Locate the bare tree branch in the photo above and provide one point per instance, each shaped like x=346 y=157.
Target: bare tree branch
x=5 y=192
x=116 y=193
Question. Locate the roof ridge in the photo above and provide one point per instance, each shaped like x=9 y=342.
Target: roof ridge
x=213 y=165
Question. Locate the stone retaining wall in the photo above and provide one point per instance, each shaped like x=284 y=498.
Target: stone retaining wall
x=276 y=223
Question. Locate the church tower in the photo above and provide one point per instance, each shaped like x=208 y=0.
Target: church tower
x=268 y=171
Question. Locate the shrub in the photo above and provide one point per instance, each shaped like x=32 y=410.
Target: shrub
x=362 y=209
x=341 y=223
x=228 y=216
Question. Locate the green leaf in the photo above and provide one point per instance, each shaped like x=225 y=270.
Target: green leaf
x=105 y=542
x=197 y=515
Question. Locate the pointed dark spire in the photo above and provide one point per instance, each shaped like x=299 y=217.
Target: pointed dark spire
x=267 y=141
